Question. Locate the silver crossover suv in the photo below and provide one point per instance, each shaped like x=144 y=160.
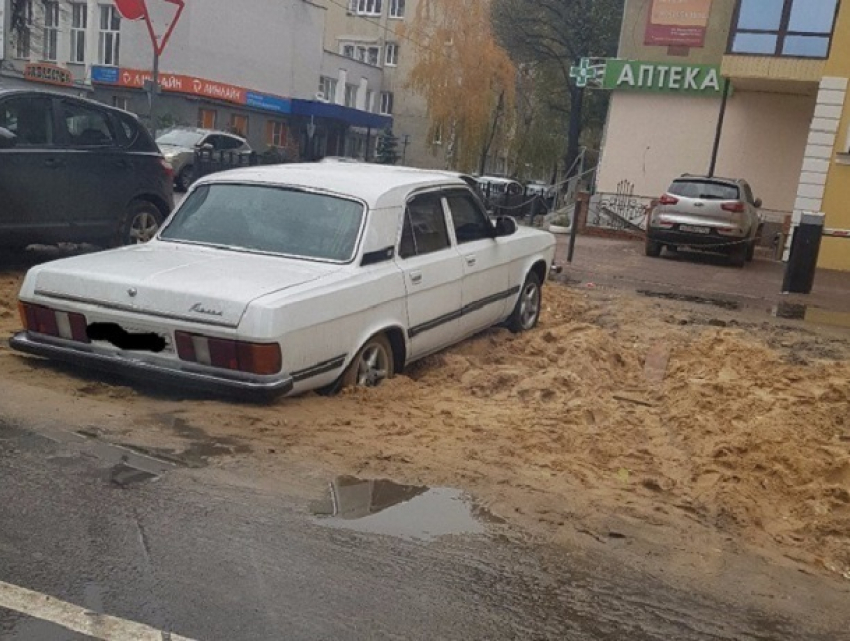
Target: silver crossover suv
x=714 y=214
x=179 y=145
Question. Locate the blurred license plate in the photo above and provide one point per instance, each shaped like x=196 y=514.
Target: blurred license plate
x=694 y=229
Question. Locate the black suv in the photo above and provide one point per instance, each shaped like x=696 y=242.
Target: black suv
x=73 y=170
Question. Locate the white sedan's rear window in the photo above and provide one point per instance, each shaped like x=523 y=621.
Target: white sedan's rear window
x=269 y=219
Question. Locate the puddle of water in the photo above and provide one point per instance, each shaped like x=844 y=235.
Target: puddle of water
x=406 y=511
x=815 y=315
x=688 y=298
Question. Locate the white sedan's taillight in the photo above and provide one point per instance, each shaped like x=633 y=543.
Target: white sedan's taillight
x=44 y=320
x=254 y=358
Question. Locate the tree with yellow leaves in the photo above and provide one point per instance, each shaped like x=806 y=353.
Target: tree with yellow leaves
x=467 y=80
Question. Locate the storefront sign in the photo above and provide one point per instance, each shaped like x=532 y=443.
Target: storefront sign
x=175 y=83
x=48 y=74
x=634 y=75
x=677 y=23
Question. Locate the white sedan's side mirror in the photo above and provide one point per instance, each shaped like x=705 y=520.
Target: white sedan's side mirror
x=505 y=226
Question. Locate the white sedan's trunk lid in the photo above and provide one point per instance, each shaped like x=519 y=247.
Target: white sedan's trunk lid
x=192 y=283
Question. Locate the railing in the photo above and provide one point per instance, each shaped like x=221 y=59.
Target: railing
x=209 y=161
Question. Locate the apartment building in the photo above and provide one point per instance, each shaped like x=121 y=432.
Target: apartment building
x=252 y=67
x=786 y=123
x=368 y=31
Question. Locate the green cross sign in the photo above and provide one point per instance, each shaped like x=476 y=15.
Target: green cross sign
x=585 y=72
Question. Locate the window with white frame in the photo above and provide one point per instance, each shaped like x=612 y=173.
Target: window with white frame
x=391 y=56
x=396 y=8
x=370 y=96
x=367 y=7
x=24 y=35
x=120 y=102
x=327 y=87
x=350 y=95
x=386 y=102
x=109 y=42
x=370 y=54
x=79 y=22
x=51 y=31
x=438 y=135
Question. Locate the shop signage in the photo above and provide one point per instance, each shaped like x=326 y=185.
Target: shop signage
x=48 y=74
x=634 y=75
x=176 y=83
x=677 y=23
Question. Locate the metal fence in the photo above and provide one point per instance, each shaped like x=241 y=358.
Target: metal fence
x=209 y=161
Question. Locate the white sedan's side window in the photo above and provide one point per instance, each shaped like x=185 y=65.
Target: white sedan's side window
x=424 y=228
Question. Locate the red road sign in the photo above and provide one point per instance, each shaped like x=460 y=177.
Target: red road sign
x=138 y=9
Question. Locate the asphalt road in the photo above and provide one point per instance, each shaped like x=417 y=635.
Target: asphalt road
x=138 y=542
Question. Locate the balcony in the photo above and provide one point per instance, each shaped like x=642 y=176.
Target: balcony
x=780 y=45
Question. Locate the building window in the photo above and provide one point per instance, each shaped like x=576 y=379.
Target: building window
x=51 y=30
x=327 y=87
x=120 y=102
x=396 y=8
x=438 y=135
x=391 y=57
x=239 y=124
x=206 y=118
x=24 y=38
x=366 y=7
x=275 y=134
x=370 y=97
x=109 y=42
x=386 y=102
x=350 y=95
x=370 y=54
x=79 y=22
x=790 y=28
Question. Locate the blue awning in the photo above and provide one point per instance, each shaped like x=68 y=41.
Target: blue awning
x=353 y=117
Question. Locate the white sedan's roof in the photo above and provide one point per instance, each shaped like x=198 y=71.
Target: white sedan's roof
x=367 y=182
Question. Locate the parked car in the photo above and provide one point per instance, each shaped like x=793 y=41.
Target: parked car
x=180 y=144
x=73 y=170
x=715 y=214
x=499 y=192
x=288 y=278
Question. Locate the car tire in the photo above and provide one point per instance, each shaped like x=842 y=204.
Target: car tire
x=141 y=222
x=738 y=255
x=372 y=364
x=527 y=309
x=185 y=178
x=652 y=248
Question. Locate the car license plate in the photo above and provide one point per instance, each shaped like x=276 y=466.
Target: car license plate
x=694 y=229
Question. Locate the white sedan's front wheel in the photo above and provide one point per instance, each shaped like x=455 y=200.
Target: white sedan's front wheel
x=527 y=310
x=372 y=365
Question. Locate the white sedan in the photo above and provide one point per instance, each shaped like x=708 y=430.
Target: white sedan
x=283 y=279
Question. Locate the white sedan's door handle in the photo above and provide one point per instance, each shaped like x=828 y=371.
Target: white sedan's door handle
x=415 y=277
x=470 y=260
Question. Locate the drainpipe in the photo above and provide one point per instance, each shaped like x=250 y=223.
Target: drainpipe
x=719 y=133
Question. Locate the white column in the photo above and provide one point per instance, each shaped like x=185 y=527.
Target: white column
x=340 y=87
x=361 y=94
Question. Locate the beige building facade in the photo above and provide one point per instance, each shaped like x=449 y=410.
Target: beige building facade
x=369 y=31
x=784 y=126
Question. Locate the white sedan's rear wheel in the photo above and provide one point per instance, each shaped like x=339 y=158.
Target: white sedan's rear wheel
x=372 y=365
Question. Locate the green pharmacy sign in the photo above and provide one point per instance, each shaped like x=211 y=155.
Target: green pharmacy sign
x=634 y=75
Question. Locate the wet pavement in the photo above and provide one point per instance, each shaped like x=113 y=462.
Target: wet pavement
x=195 y=552
x=622 y=264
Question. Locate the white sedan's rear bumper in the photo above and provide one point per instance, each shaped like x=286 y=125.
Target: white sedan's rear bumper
x=139 y=367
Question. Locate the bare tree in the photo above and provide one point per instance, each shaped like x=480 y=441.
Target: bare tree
x=556 y=34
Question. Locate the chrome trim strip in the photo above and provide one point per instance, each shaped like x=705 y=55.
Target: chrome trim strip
x=134 y=310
